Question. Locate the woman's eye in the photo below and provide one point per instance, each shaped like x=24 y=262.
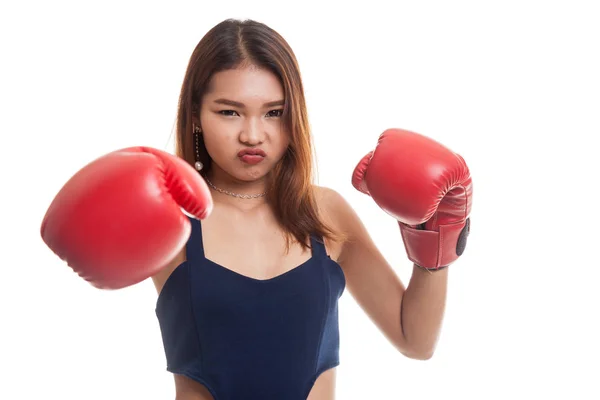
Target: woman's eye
x=228 y=113
x=275 y=113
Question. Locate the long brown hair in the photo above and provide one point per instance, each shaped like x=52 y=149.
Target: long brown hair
x=233 y=43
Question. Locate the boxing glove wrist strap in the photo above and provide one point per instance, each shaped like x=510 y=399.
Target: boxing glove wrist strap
x=434 y=250
x=431 y=269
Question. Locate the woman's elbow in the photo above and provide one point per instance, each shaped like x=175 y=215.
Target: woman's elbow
x=422 y=354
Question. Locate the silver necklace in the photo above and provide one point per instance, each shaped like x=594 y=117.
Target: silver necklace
x=241 y=196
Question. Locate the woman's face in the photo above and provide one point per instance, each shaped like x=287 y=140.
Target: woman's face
x=241 y=121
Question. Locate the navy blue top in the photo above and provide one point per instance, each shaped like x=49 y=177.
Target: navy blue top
x=245 y=338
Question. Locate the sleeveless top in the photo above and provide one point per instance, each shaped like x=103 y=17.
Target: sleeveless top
x=245 y=338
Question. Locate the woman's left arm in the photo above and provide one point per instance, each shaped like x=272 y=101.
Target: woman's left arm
x=410 y=317
x=428 y=189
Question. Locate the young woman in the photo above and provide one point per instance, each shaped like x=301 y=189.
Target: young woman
x=267 y=287
x=247 y=303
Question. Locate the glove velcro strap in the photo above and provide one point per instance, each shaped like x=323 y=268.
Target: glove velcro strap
x=434 y=250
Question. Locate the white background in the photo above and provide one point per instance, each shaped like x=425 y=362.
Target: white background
x=513 y=86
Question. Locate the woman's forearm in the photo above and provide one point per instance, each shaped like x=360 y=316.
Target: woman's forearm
x=423 y=305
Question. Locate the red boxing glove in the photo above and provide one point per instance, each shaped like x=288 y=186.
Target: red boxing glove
x=426 y=187
x=118 y=220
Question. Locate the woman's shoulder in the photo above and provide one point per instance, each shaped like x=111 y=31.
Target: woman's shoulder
x=338 y=211
x=335 y=209
x=327 y=199
x=330 y=200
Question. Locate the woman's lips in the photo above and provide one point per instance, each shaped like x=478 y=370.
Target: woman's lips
x=252 y=156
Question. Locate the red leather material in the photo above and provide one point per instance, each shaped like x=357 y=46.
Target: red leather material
x=421 y=183
x=118 y=220
x=432 y=249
